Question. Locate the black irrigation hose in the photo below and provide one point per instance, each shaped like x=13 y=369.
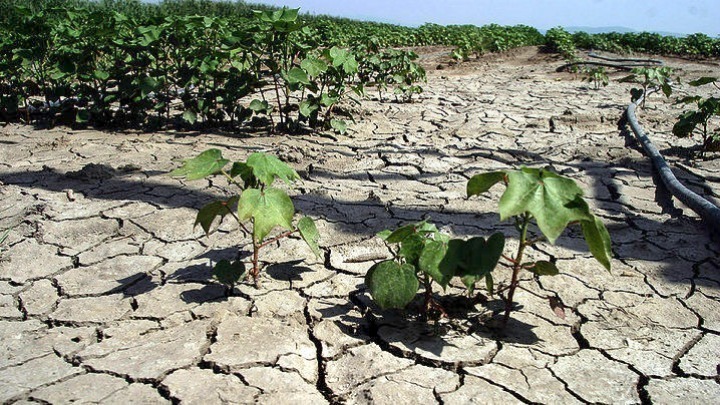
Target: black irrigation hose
x=709 y=212
x=633 y=60
x=622 y=66
x=625 y=66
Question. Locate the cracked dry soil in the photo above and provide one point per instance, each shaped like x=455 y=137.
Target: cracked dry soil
x=106 y=294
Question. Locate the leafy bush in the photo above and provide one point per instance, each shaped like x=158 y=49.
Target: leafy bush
x=557 y=40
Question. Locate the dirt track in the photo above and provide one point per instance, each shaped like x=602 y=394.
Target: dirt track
x=106 y=295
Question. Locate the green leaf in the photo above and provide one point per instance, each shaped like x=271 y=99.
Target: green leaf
x=430 y=261
x=259 y=106
x=205 y=164
x=401 y=233
x=148 y=85
x=350 y=65
x=297 y=75
x=267 y=167
x=635 y=94
x=481 y=256
x=411 y=247
x=307 y=108
x=339 y=126
x=384 y=234
x=553 y=200
x=598 y=240
x=228 y=273
x=245 y=172
x=544 y=268
x=209 y=212
x=392 y=285
x=686 y=124
x=666 y=89
x=101 y=75
x=489 y=283
x=703 y=81
x=310 y=234
x=314 y=66
x=481 y=183
x=268 y=209
x=189 y=116
x=82 y=116
x=337 y=55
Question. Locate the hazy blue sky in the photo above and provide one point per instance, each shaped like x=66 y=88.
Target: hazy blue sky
x=678 y=16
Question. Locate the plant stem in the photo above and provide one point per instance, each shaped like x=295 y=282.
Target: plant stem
x=277 y=238
x=517 y=266
x=255 y=270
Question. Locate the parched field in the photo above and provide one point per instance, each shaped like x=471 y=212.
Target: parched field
x=106 y=293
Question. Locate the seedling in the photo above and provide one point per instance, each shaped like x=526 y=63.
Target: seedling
x=533 y=196
x=262 y=206
x=649 y=77
x=598 y=76
x=425 y=255
x=690 y=121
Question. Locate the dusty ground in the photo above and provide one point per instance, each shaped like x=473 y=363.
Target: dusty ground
x=106 y=295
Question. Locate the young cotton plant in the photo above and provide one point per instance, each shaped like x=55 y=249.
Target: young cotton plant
x=699 y=119
x=649 y=77
x=550 y=201
x=533 y=196
x=425 y=255
x=262 y=206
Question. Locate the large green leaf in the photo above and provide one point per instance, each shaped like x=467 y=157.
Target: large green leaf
x=482 y=182
x=205 y=164
x=314 y=66
x=297 y=76
x=229 y=273
x=267 y=167
x=481 y=256
x=392 y=285
x=209 y=212
x=411 y=247
x=553 y=200
x=268 y=208
x=429 y=262
x=310 y=234
x=598 y=240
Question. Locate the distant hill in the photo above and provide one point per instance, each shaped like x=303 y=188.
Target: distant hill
x=622 y=30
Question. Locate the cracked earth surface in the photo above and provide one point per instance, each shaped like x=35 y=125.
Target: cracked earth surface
x=106 y=294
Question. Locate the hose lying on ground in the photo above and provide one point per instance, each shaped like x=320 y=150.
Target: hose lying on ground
x=709 y=212
x=629 y=64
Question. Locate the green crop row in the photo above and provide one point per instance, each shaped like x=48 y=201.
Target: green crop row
x=80 y=64
x=695 y=45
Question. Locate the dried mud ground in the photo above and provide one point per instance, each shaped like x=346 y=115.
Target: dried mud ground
x=106 y=294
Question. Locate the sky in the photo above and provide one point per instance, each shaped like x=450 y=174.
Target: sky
x=667 y=16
